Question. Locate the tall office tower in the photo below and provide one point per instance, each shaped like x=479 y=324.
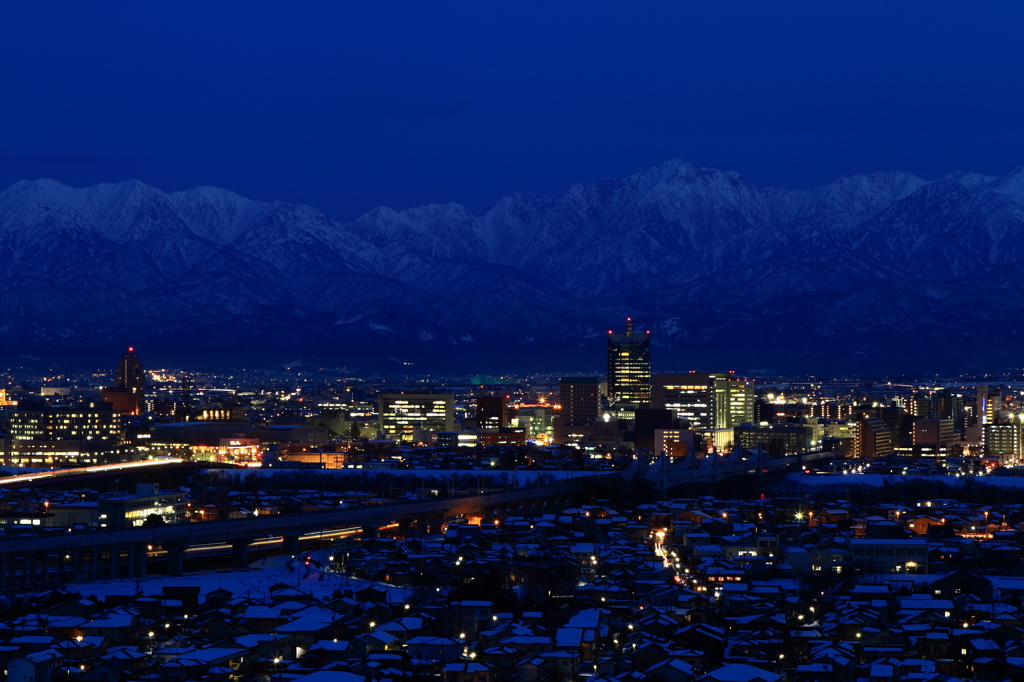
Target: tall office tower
x=989 y=404
x=741 y=401
x=949 y=405
x=491 y=412
x=629 y=367
x=981 y=404
x=580 y=399
x=183 y=406
x=127 y=395
x=129 y=372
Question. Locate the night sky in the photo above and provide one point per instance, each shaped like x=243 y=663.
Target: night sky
x=348 y=106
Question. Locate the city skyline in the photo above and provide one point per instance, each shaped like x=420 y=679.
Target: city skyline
x=462 y=342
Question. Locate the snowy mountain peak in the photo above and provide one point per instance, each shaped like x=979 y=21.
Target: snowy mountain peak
x=214 y=213
x=1012 y=183
x=720 y=265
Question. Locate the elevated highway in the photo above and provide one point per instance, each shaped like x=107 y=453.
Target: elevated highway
x=33 y=560
x=42 y=559
x=78 y=475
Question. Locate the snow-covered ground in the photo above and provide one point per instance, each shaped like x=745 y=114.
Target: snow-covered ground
x=14 y=471
x=817 y=480
x=254 y=581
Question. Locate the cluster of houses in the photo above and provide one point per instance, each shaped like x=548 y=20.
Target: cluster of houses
x=686 y=590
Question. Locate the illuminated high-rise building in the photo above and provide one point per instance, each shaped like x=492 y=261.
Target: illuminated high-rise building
x=129 y=372
x=629 y=367
x=129 y=385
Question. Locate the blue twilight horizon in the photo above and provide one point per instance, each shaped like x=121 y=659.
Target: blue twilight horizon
x=348 y=106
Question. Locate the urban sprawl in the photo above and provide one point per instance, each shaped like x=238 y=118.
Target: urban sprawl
x=628 y=526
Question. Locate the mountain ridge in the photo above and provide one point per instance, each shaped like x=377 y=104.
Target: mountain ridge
x=721 y=271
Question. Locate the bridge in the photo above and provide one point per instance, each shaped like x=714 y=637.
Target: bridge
x=663 y=474
x=71 y=557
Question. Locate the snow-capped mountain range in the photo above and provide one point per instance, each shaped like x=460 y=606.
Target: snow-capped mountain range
x=866 y=269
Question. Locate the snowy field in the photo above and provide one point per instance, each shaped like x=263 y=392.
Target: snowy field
x=14 y=471
x=255 y=581
x=813 y=481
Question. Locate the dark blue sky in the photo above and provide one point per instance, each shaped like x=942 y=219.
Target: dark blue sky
x=348 y=106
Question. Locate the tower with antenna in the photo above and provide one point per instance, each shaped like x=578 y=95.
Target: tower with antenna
x=629 y=367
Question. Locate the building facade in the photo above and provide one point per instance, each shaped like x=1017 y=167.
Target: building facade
x=873 y=439
x=149 y=504
x=706 y=400
x=895 y=555
x=491 y=411
x=580 y=400
x=64 y=435
x=933 y=437
x=629 y=367
x=1002 y=441
x=776 y=439
x=128 y=393
x=411 y=416
x=580 y=403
